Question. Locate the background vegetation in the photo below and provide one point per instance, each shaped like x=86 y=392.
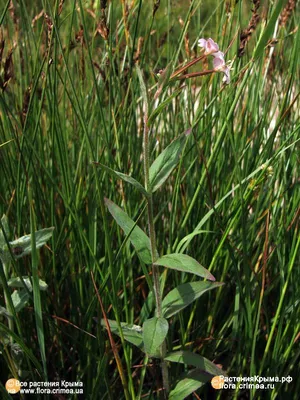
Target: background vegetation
x=70 y=95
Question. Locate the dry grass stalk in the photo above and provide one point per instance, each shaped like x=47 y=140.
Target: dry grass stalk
x=246 y=33
x=287 y=12
x=102 y=27
x=60 y=7
x=37 y=17
x=139 y=49
x=12 y=12
x=125 y=19
x=155 y=7
x=49 y=24
x=8 y=67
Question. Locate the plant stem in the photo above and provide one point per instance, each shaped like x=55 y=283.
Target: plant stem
x=196 y=74
x=188 y=65
x=154 y=254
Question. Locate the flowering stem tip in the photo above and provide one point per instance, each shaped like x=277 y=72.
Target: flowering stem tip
x=211 y=48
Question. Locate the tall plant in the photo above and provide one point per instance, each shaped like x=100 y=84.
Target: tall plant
x=151 y=337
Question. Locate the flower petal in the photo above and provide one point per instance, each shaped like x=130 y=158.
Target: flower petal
x=226 y=77
x=202 y=43
x=211 y=46
x=218 y=54
x=218 y=63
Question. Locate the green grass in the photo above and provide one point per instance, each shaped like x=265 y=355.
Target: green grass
x=71 y=98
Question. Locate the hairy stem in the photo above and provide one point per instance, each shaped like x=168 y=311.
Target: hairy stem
x=154 y=254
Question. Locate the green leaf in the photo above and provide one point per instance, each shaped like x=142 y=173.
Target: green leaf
x=162 y=105
x=124 y=177
x=17 y=283
x=185 y=294
x=154 y=333
x=7 y=332
x=20 y=299
x=17 y=354
x=192 y=381
x=269 y=29
x=132 y=333
x=184 y=263
x=166 y=161
x=138 y=238
x=22 y=246
x=3 y=311
x=189 y=358
x=148 y=307
x=5 y=227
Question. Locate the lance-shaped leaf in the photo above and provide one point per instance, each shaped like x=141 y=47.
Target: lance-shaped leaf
x=166 y=161
x=185 y=294
x=132 y=333
x=189 y=358
x=154 y=333
x=22 y=246
x=192 y=381
x=184 y=263
x=20 y=299
x=138 y=238
x=124 y=177
x=17 y=283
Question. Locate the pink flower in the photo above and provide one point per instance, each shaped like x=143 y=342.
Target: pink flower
x=219 y=65
x=212 y=48
x=219 y=60
x=209 y=46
